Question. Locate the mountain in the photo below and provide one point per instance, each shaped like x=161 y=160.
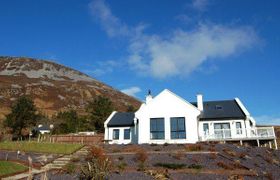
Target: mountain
x=53 y=87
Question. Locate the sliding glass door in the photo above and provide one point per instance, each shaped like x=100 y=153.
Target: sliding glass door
x=222 y=130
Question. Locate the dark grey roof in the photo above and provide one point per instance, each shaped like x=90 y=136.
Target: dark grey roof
x=122 y=119
x=42 y=128
x=217 y=110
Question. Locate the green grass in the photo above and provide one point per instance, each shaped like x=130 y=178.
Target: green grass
x=7 y=168
x=42 y=147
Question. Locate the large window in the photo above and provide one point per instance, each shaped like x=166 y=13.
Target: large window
x=178 y=130
x=116 y=133
x=126 y=134
x=222 y=130
x=157 y=128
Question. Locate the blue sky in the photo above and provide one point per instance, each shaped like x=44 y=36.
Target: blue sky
x=222 y=49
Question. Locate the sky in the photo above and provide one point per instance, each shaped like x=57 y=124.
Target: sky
x=221 y=49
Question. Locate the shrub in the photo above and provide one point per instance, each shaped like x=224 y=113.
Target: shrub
x=165 y=144
x=69 y=168
x=96 y=152
x=98 y=165
x=170 y=165
x=141 y=156
x=153 y=144
x=132 y=148
x=242 y=155
x=195 y=166
x=121 y=166
x=193 y=147
x=224 y=166
x=179 y=155
x=158 y=174
x=141 y=166
x=115 y=150
x=120 y=158
x=213 y=156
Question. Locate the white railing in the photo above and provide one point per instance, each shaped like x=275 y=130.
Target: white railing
x=240 y=133
x=262 y=132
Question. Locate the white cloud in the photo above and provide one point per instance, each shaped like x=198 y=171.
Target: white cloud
x=200 y=5
x=110 y=23
x=184 y=51
x=268 y=120
x=132 y=91
x=179 y=53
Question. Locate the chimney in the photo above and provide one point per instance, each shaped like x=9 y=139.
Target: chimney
x=149 y=97
x=199 y=98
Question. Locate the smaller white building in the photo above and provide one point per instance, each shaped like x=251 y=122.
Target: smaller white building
x=168 y=118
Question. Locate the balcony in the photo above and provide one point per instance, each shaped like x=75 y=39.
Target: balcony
x=242 y=133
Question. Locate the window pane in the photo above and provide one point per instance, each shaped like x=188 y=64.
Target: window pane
x=153 y=125
x=127 y=134
x=181 y=124
x=226 y=126
x=205 y=127
x=238 y=125
x=157 y=128
x=178 y=128
x=173 y=124
x=116 y=133
x=160 y=124
x=182 y=135
x=217 y=126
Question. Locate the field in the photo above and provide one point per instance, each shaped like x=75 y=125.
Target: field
x=54 y=148
x=7 y=168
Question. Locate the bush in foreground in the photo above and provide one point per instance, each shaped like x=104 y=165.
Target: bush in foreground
x=98 y=165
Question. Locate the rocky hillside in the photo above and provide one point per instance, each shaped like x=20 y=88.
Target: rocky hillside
x=53 y=87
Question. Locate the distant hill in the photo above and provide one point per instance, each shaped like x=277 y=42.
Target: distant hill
x=53 y=87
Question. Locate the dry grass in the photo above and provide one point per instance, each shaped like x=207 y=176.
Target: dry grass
x=193 y=147
x=141 y=156
x=178 y=155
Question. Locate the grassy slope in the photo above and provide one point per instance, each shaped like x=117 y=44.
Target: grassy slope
x=56 y=148
x=7 y=168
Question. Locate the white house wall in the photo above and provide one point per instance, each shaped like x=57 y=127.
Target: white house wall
x=121 y=139
x=167 y=105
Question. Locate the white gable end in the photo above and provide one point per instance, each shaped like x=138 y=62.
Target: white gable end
x=167 y=105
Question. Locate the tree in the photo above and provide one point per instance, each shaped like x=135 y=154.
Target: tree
x=99 y=109
x=67 y=122
x=23 y=116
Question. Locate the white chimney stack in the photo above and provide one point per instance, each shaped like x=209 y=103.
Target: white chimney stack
x=149 y=97
x=199 y=98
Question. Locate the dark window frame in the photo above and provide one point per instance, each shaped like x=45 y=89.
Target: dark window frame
x=124 y=134
x=157 y=132
x=178 y=131
x=116 y=130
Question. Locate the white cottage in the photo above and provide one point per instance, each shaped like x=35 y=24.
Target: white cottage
x=168 y=118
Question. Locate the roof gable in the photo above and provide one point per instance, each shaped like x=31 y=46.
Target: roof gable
x=168 y=92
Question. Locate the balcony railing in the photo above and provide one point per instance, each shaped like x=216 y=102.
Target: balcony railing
x=240 y=133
